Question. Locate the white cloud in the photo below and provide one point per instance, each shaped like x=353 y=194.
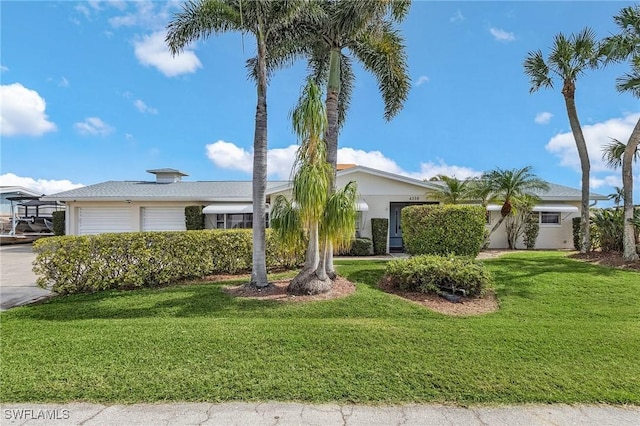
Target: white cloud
x=147 y=14
x=431 y=169
x=597 y=136
x=227 y=155
x=3 y=68
x=22 y=112
x=93 y=126
x=151 y=50
x=501 y=35
x=63 y=82
x=610 y=180
x=421 y=80
x=42 y=186
x=144 y=108
x=543 y=117
x=457 y=17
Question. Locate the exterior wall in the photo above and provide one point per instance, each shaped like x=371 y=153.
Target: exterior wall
x=71 y=222
x=378 y=192
x=551 y=236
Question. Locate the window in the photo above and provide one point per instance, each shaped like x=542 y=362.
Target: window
x=235 y=221
x=359 y=224
x=239 y=221
x=550 y=218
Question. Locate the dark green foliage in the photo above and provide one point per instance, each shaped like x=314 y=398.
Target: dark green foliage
x=443 y=229
x=577 y=237
x=58 y=222
x=531 y=231
x=75 y=264
x=194 y=218
x=609 y=224
x=359 y=247
x=432 y=273
x=379 y=231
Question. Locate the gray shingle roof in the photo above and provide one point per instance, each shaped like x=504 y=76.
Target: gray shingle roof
x=178 y=191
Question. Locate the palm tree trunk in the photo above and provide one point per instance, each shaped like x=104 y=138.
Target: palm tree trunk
x=630 y=251
x=259 y=264
x=331 y=137
x=569 y=97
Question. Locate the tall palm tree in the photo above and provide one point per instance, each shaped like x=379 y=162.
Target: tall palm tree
x=314 y=213
x=617 y=196
x=511 y=184
x=266 y=20
x=570 y=57
x=626 y=46
x=453 y=191
x=362 y=30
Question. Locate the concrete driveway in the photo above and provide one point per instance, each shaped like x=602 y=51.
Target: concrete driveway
x=17 y=281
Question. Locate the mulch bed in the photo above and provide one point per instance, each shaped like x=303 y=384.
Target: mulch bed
x=613 y=260
x=466 y=307
x=277 y=290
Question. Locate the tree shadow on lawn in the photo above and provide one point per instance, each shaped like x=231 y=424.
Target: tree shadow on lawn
x=184 y=300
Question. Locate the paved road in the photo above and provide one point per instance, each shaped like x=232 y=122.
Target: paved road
x=17 y=281
x=300 y=414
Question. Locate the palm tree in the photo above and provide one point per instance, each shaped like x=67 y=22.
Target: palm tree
x=453 y=191
x=315 y=215
x=509 y=185
x=266 y=21
x=626 y=46
x=617 y=196
x=481 y=189
x=570 y=57
x=364 y=29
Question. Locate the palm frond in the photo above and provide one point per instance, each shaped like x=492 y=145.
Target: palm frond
x=339 y=223
x=537 y=70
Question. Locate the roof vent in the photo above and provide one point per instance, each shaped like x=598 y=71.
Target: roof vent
x=167 y=175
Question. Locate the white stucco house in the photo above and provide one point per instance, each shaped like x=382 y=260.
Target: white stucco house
x=127 y=206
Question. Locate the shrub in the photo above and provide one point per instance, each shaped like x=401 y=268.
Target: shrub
x=74 y=264
x=443 y=229
x=577 y=236
x=609 y=224
x=379 y=232
x=58 y=222
x=359 y=247
x=531 y=232
x=194 y=218
x=432 y=274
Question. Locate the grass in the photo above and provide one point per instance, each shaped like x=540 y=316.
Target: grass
x=566 y=332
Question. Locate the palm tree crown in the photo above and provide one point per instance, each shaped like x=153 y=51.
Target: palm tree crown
x=453 y=191
x=513 y=183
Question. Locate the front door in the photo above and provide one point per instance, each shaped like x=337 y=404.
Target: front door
x=395 y=225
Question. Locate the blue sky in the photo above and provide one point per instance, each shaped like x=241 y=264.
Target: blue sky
x=90 y=94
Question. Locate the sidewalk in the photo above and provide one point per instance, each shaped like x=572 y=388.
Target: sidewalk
x=304 y=414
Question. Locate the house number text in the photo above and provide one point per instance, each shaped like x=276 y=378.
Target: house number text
x=414 y=198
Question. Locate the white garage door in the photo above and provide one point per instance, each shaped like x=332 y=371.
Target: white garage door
x=98 y=220
x=163 y=219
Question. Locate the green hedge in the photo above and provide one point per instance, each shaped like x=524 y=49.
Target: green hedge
x=58 y=222
x=379 y=231
x=359 y=247
x=432 y=274
x=194 y=218
x=75 y=264
x=577 y=237
x=443 y=229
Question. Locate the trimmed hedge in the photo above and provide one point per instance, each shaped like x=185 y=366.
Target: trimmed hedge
x=379 y=231
x=432 y=274
x=194 y=218
x=58 y=218
x=76 y=264
x=577 y=237
x=359 y=247
x=443 y=229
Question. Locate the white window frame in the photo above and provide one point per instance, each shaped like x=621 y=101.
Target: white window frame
x=549 y=224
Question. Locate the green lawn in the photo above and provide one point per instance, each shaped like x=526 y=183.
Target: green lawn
x=566 y=332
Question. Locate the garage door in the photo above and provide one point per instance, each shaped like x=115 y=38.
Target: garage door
x=98 y=220
x=163 y=219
